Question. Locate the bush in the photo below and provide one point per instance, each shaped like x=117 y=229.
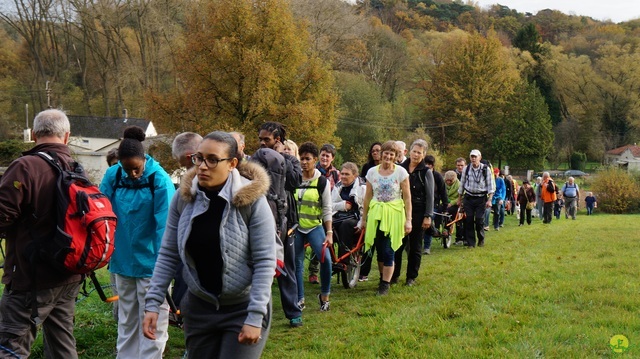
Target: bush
x=578 y=161
x=616 y=191
x=12 y=149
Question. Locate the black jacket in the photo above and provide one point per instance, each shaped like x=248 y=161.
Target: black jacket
x=422 y=185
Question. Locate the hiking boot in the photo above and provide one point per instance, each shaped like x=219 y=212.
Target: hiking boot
x=394 y=280
x=324 y=305
x=313 y=279
x=301 y=304
x=486 y=228
x=383 y=288
x=295 y=322
x=363 y=278
x=481 y=244
x=426 y=251
x=410 y=282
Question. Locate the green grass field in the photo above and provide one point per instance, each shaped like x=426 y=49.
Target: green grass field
x=541 y=291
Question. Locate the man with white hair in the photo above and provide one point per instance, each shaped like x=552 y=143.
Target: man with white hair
x=477 y=188
x=571 y=194
x=27 y=210
x=402 y=148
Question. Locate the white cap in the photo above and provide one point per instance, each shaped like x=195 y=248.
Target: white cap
x=475 y=153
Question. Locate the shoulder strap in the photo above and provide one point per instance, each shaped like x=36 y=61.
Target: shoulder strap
x=51 y=159
x=150 y=183
x=322 y=184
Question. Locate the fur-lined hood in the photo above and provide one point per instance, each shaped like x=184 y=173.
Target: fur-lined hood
x=243 y=192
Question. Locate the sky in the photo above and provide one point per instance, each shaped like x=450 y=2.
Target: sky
x=614 y=10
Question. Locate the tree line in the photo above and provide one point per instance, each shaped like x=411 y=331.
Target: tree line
x=528 y=89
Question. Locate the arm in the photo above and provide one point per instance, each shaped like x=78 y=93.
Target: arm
x=14 y=191
x=293 y=173
x=429 y=188
x=327 y=213
x=368 y=195
x=461 y=188
x=165 y=268
x=339 y=205
x=263 y=252
x=164 y=191
x=406 y=197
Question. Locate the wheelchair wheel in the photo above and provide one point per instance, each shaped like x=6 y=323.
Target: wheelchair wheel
x=352 y=272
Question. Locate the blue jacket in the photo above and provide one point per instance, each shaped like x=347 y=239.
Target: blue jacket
x=141 y=218
x=501 y=190
x=248 y=244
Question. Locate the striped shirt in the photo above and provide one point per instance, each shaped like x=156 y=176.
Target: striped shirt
x=475 y=184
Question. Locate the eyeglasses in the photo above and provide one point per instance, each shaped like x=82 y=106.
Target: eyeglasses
x=211 y=163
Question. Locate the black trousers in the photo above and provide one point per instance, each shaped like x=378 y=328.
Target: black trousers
x=474 y=208
x=414 y=241
x=547 y=213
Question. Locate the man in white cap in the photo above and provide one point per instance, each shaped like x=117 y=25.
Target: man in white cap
x=476 y=187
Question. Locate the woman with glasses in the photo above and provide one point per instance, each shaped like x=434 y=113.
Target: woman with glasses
x=373 y=158
x=140 y=192
x=221 y=228
x=387 y=211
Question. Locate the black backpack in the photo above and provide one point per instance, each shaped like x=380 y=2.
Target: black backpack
x=275 y=165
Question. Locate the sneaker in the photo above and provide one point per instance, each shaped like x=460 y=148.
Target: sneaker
x=324 y=305
x=502 y=225
x=426 y=251
x=394 y=280
x=295 y=322
x=363 y=278
x=481 y=244
x=497 y=229
x=313 y=279
x=383 y=288
x=520 y=225
x=486 y=228
x=410 y=282
x=458 y=243
x=301 y=304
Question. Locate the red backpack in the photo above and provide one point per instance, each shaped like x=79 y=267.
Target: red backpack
x=86 y=224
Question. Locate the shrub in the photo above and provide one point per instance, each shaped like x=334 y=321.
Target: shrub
x=12 y=149
x=578 y=161
x=616 y=191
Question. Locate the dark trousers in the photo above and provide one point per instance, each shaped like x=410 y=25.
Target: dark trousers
x=474 y=209
x=547 y=212
x=367 y=260
x=287 y=282
x=56 y=308
x=524 y=211
x=213 y=333
x=414 y=253
x=346 y=231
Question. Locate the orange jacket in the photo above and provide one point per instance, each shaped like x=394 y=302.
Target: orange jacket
x=545 y=194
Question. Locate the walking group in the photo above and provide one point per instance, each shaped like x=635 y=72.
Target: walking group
x=216 y=240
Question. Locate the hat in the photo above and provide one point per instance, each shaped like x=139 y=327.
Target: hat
x=475 y=153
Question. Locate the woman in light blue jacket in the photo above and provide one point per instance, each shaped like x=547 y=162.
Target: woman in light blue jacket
x=140 y=192
x=221 y=228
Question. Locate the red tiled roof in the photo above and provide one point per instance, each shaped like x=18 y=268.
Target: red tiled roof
x=635 y=150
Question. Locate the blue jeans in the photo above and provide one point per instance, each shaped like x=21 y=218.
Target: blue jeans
x=316 y=239
x=498 y=215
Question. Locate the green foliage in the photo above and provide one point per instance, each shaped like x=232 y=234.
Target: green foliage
x=12 y=149
x=578 y=161
x=526 y=137
x=528 y=39
x=616 y=190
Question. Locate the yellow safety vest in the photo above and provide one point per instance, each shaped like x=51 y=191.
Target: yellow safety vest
x=309 y=206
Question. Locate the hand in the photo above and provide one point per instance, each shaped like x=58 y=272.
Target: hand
x=149 y=324
x=329 y=239
x=459 y=201
x=347 y=205
x=363 y=223
x=426 y=223
x=500 y=202
x=249 y=335
x=407 y=227
x=488 y=205
x=278 y=147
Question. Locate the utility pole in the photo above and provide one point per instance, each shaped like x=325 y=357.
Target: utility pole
x=48 y=90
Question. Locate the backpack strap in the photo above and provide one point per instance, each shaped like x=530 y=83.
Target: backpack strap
x=150 y=183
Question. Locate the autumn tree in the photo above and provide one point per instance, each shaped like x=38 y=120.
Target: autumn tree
x=244 y=63
x=466 y=90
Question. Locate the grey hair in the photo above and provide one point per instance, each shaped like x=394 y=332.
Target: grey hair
x=571 y=179
x=420 y=143
x=401 y=145
x=185 y=142
x=449 y=175
x=351 y=167
x=51 y=123
x=239 y=134
x=545 y=175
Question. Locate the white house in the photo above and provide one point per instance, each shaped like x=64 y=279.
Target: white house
x=627 y=157
x=92 y=137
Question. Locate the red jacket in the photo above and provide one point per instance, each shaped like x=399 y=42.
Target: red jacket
x=27 y=209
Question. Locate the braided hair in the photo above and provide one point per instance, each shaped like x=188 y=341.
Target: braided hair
x=275 y=128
